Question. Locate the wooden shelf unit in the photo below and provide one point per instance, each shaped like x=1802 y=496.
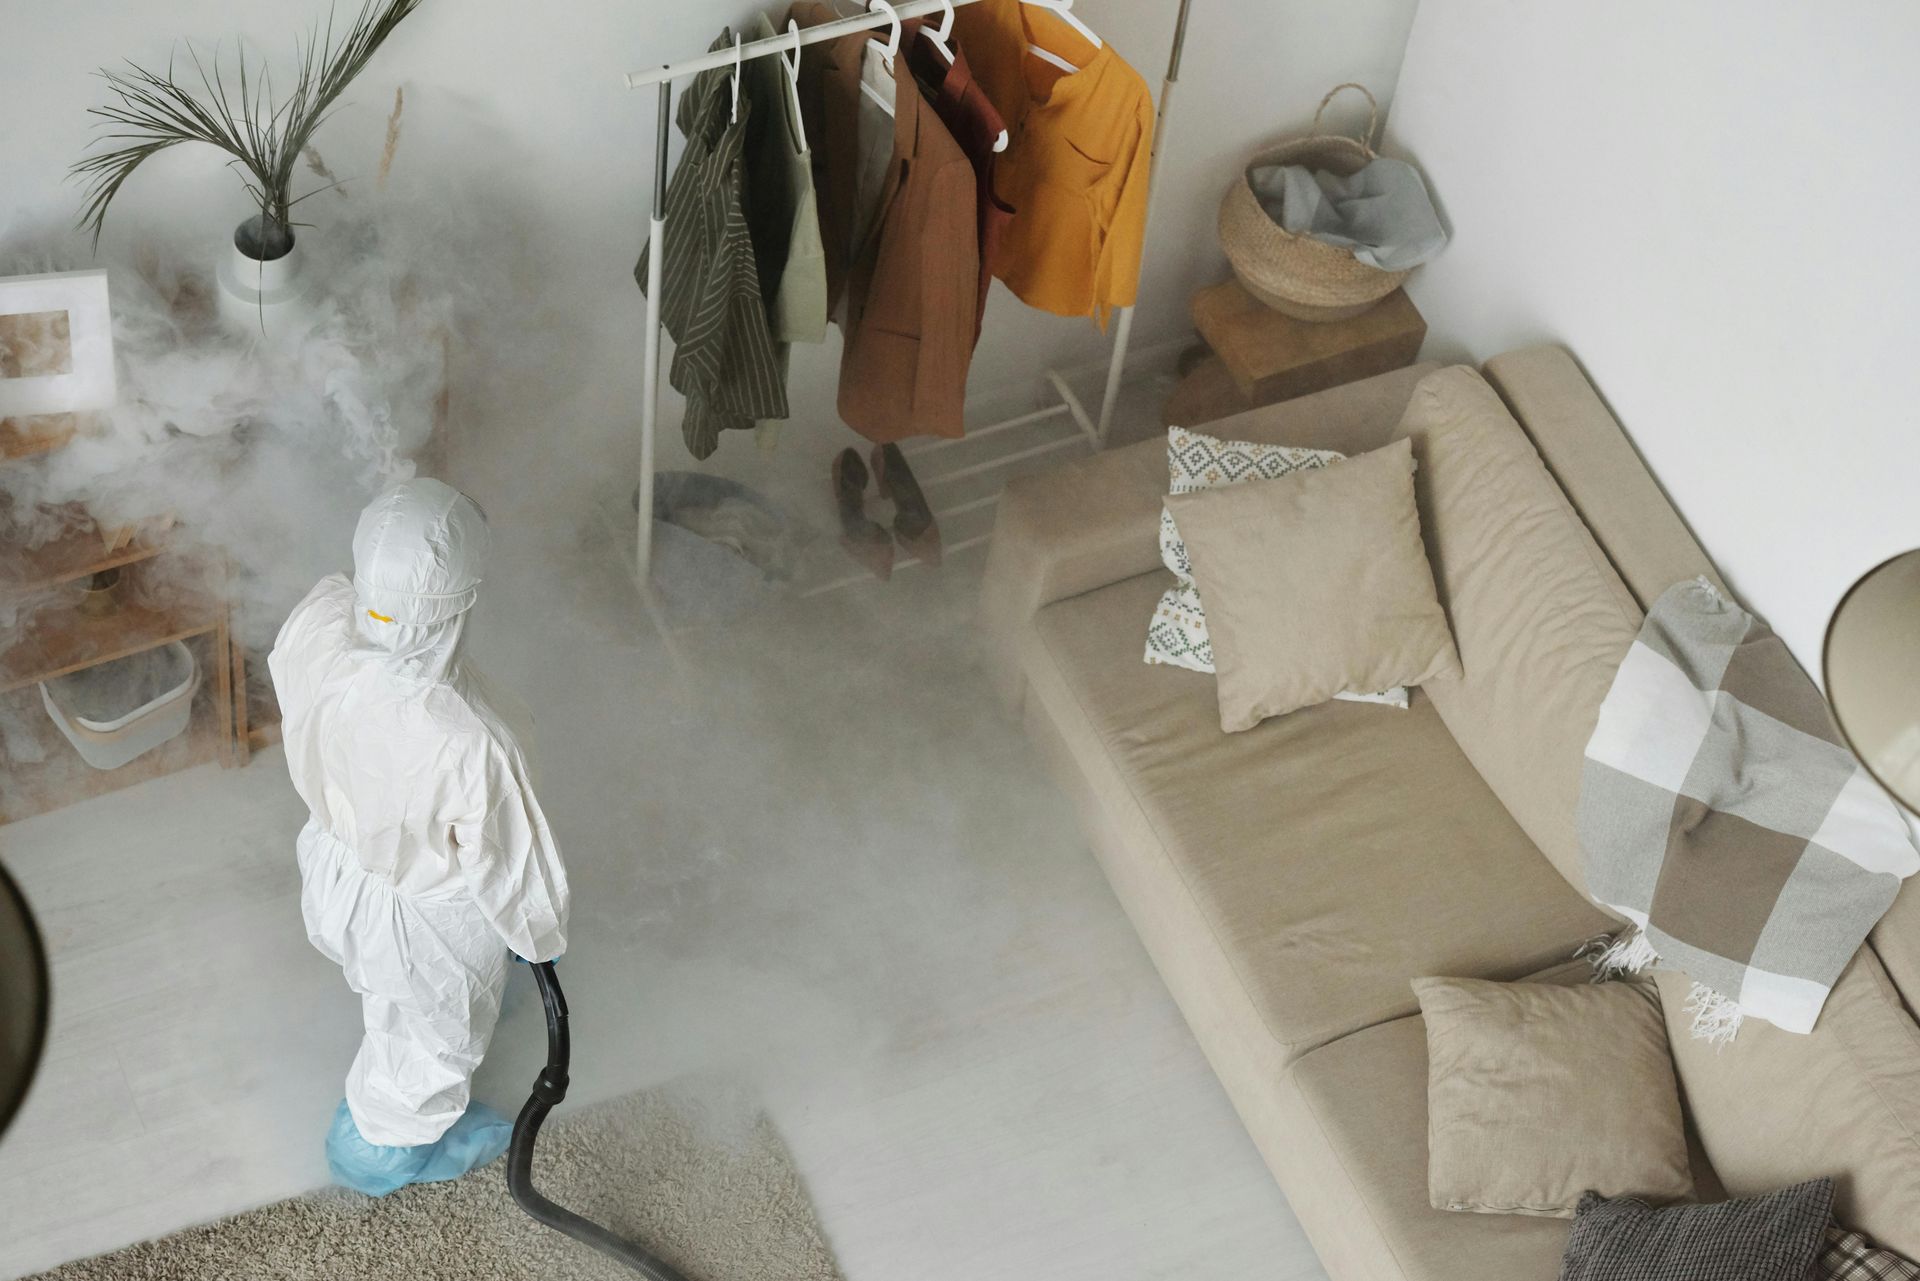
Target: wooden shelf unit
x=63 y=640
x=78 y=555
x=57 y=637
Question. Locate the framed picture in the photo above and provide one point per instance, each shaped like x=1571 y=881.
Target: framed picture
x=56 y=344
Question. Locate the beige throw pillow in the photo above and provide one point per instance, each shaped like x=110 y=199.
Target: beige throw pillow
x=1538 y=1093
x=1177 y=633
x=1314 y=583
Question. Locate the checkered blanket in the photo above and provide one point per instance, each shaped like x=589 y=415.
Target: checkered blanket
x=1721 y=813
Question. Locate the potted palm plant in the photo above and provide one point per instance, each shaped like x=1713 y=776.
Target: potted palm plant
x=264 y=135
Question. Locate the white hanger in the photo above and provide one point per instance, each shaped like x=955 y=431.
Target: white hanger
x=1051 y=58
x=736 y=77
x=879 y=99
x=793 y=81
x=939 y=37
x=892 y=46
x=1064 y=9
x=887 y=52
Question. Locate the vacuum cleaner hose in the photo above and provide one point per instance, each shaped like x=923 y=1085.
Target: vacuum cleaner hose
x=548 y=1091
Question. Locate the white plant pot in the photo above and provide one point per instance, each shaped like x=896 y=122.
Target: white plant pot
x=264 y=298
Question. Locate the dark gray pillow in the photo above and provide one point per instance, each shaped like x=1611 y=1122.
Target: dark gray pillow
x=1765 y=1238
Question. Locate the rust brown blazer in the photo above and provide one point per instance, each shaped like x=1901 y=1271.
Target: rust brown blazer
x=911 y=285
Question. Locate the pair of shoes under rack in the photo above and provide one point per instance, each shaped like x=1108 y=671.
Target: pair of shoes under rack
x=865 y=539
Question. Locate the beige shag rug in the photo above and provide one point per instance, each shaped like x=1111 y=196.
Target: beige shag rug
x=703 y=1179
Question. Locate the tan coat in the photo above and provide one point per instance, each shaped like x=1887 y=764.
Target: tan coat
x=911 y=284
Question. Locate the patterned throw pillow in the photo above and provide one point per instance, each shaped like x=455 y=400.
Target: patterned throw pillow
x=1849 y=1256
x=1177 y=634
x=1777 y=1237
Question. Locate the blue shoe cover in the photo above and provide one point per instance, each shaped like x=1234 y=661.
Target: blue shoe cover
x=480 y=1135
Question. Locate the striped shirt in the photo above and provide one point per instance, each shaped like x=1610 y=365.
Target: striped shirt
x=725 y=360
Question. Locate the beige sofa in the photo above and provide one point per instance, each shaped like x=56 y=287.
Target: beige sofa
x=1289 y=881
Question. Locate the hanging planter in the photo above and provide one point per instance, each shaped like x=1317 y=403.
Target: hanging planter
x=261 y=281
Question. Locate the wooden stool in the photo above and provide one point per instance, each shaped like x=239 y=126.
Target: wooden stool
x=1261 y=357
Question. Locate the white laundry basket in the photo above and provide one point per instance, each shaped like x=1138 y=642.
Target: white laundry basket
x=122 y=710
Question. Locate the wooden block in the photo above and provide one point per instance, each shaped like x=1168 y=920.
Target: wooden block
x=1273 y=357
x=1207 y=392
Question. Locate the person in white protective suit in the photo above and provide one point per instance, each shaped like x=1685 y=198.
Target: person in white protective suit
x=426 y=856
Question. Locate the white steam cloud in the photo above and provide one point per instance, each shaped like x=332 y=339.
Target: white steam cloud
x=264 y=451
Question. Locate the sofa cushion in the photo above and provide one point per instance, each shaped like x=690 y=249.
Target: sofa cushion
x=1365 y=1099
x=1335 y=854
x=1775 y=1107
x=1366 y=1095
x=1541 y=620
x=1896 y=940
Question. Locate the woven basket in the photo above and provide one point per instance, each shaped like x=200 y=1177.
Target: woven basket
x=1302 y=277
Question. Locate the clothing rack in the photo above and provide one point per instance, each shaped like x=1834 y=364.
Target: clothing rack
x=1093 y=430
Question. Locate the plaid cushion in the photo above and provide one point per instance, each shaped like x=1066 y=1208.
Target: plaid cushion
x=1775 y=1237
x=1849 y=1256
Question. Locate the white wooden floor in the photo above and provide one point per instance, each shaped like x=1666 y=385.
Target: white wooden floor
x=812 y=856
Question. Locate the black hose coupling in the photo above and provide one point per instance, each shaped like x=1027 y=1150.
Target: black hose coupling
x=550 y=1087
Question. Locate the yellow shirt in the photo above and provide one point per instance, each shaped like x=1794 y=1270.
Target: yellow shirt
x=1075 y=169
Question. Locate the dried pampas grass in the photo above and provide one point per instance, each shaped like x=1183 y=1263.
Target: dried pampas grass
x=318 y=168
x=393 y=135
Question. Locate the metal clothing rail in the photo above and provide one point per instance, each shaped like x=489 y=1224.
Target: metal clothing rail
x=791 y=42
x=784 y=43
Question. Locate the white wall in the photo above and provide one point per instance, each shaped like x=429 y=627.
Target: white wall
x=528 y=100
x=1712 y=204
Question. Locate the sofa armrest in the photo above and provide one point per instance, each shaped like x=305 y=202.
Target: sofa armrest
x=1096 y=521
x=1064 y=531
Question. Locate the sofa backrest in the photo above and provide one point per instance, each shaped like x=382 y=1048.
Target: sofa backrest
x=1539 y=615
x=1772 y=1107
x=1646 y=541
x=1084 y=524
x=1597 y=468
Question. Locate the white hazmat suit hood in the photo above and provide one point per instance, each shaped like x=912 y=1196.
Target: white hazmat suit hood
x=426 y=855
x=419 y=555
